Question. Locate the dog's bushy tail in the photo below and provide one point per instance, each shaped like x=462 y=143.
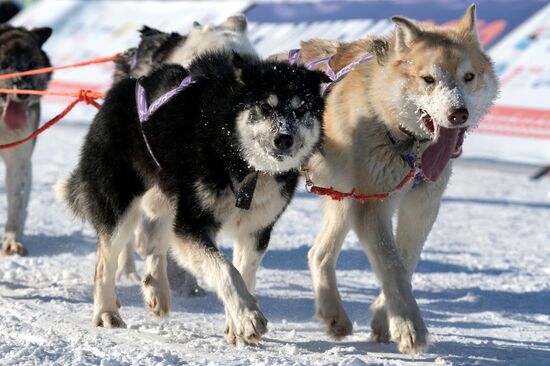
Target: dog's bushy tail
x=69 y=191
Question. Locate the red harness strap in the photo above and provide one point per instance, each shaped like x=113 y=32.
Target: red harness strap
x=358 y=196
x=412 y=160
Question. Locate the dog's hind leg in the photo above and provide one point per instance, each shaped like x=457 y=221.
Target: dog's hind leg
x=126 y=263
x=18 y=187
x=198 y=254
x=106 y=303
x=415 y=218
x=155 y=236
x=322 y=263
x=373 y=225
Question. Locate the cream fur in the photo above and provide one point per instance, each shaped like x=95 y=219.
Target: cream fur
x=376 y=97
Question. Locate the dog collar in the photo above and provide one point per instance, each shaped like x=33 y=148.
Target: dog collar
x=294 y=57
x=244 y=191
x=145 y=112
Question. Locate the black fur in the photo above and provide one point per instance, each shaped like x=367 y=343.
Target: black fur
x=263 y=239
x=20 y=50
x=193 y=136
x=153 y=49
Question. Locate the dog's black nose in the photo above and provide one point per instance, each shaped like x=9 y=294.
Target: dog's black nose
x=283 y=142
x=458 y=116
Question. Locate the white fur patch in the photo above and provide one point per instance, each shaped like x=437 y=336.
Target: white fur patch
x=447 y=94
x=296 y=102
x=266 y=206
x=202 y=39
x=255 y=144
x=273 y=100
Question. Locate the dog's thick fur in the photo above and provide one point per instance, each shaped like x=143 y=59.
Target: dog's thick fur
x=157 y=48
x=240 y=116
x=20 y=50
x=420 y=80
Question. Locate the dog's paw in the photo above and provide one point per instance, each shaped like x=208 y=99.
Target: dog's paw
x=410 y=338
x=248 y=328
x=108 y=319
x=379 y=325
x=11 y=246
x=131 y=275
x=156 y=296
x=338 y=324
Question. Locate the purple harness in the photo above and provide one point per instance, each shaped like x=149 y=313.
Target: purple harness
x=145 y=112
x=294 y=58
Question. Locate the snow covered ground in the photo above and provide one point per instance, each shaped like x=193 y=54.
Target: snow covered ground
x=483 y=285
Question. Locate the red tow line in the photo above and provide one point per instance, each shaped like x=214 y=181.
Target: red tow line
x=86 y=96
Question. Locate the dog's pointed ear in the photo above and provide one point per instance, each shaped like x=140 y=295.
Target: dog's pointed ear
x=41 y=34
x=237 y=23
x=196 y=24
x=468 y=23
x=147 y=31
x=405 y=33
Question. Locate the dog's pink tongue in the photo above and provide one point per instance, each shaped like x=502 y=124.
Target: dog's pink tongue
x=437 y=155
x=14 y=115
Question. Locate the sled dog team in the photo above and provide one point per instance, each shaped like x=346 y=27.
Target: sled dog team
x=198 y=136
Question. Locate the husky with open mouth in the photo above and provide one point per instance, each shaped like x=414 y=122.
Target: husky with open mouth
x=218 y=149
x=20 y=50
x=410 y=105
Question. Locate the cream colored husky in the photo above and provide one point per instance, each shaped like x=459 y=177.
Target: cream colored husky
x=424 y=88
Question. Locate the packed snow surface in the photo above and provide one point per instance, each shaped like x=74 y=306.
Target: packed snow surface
x=483 y=284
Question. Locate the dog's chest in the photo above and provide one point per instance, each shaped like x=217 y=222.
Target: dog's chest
x=267 y=205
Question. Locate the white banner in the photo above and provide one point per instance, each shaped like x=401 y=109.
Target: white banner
x=518 y=128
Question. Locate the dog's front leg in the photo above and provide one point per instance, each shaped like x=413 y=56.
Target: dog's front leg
x=373 y=225
x=248 y=251
x=416 y=215
x=246 y=322
x=322 y=264
x=18 y=187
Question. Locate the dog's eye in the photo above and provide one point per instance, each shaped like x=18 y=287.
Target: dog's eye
x=428 y=79
x=266 y=107
x=469 y=77
x=300 y=110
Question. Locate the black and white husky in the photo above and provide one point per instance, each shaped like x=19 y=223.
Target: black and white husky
x=236 y=136
x=157 y=48
x=20 y=50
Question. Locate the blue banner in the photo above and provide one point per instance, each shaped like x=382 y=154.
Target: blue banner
x=495 y=18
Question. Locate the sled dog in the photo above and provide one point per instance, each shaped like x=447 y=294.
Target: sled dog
x=222 y=154
x=20 y=114
x=155 y=49
x=425 y=87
